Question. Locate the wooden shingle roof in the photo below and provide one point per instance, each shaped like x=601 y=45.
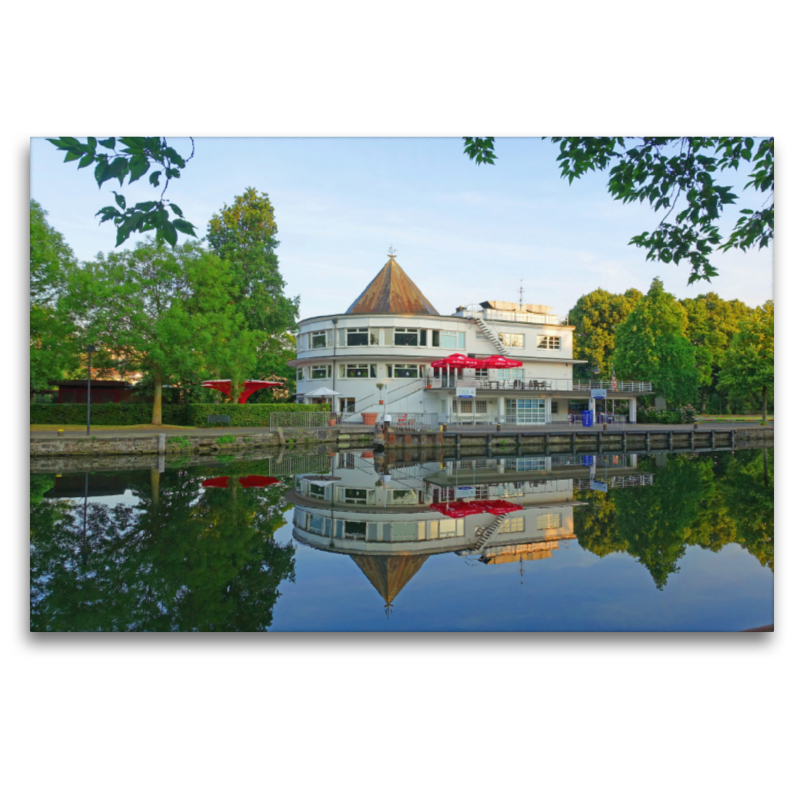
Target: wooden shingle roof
x=392 y=292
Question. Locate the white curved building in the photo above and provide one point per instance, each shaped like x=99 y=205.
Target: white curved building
x=391 y=334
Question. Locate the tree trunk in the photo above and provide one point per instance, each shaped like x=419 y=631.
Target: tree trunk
x=766 y=469
x=764 y=406
x=157 y=400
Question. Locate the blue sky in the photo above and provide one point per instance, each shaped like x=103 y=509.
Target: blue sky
x=463 y=233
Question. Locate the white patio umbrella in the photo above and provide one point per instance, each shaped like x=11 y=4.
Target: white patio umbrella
x=323 y=391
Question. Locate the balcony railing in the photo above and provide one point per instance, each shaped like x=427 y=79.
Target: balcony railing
x=490 y=314
x=537 y=384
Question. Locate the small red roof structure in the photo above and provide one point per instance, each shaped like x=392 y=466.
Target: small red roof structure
x=500 y=362
x=457 y=361
x=248 y=387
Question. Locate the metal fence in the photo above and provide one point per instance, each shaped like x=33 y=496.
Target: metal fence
x=299 y=419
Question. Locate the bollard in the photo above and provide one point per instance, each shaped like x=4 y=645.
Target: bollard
x=60 y=432
x=605 y=426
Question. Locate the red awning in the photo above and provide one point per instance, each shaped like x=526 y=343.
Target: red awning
x=500 y=362
x=496 y=507
x=457 y=361
x=248 y=387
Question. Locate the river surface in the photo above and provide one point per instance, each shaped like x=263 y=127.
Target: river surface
x=672 y=542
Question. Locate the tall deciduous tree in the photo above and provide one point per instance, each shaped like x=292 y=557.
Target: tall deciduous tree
x=54 y=351
x=651 y=345
x=595 y=317
x=748 y=367
x=712 y=324
x=160 y=310
x=244 y=234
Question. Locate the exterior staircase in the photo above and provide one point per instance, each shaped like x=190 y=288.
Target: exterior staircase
x=487 y=533
x=492 y=336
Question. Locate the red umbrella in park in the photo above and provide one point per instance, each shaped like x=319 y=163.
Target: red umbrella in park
x=499 y=362
x=248 y=387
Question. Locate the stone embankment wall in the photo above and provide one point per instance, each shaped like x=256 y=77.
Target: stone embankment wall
x=216 y=442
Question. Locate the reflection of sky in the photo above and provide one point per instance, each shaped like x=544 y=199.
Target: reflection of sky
x=572 y=591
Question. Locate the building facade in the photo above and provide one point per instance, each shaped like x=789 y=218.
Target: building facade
x=377 y=357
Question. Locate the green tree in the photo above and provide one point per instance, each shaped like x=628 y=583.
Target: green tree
x=651 y=345
x=674 y=174
x=712 y=324
x=244 y=234
x=53 y=350
x=131 y=157
x=595 y=317
x=748 y=366
x=164 y=311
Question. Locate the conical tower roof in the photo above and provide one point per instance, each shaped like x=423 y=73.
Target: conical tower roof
x=389 y=574
x=392 y=292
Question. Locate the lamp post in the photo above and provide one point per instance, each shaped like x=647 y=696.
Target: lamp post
x=89 y=350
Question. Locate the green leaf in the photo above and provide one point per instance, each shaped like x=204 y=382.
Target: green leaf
x=154 y=177
x=175 y=209
x=71 y=156
x=184 y=227
x=109 y=143
x=120 y=200
x=139 y=165
x=146 y=206
x=86 y=160
x=170 y=234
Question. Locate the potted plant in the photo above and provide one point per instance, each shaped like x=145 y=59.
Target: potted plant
x=381 y=387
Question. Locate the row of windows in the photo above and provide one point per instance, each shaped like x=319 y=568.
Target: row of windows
x=410 y=337
x=323 y=371
x=367 y=337
x=395 y=531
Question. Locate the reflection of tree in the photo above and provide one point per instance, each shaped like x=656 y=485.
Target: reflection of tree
x=709 y=501
x=748 y=490
x=182 y=559
x=596 y=523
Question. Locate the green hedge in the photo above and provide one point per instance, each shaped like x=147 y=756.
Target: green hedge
x=241 y=414
x=106 y=414
x=245 y=415
x=673 y=416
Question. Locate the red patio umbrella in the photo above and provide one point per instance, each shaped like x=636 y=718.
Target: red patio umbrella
x=499 y=362
x=457 y=361
x=248 y=387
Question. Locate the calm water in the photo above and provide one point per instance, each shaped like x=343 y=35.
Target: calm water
x=316 y=542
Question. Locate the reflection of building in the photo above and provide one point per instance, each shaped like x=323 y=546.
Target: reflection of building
x=389 y=526
x=391 y=334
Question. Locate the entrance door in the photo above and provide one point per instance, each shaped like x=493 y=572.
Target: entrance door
x=524 y=411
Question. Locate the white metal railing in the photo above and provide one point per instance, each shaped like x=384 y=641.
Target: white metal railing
x=509 y=316
x=537 y=384
x=299 y=419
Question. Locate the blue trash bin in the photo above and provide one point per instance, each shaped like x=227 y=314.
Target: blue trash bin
x=587 y=419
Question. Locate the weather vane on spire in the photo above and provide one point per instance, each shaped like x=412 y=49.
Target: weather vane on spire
x=392 y=252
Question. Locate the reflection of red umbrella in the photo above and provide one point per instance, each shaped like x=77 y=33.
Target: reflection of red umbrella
x=464 y=508
x=457 y=361
x=257 y=481
x=457 y=509
x=216 y=483
x=248 y=387
x=499 y=362
x=496 y=507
